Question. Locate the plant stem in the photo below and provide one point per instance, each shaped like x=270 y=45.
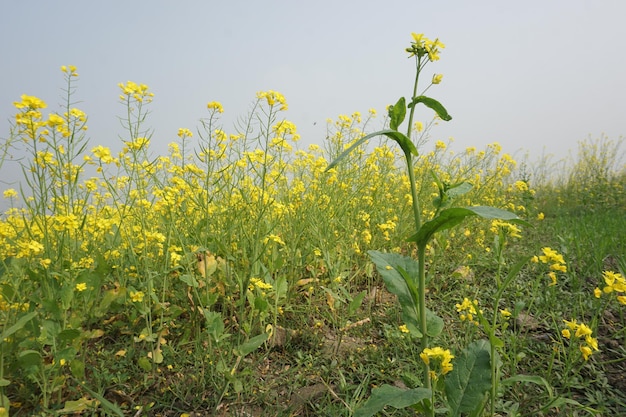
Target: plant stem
x=418 y=63
x=421 y=251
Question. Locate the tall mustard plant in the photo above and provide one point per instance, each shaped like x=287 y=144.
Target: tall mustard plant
x=468 y=378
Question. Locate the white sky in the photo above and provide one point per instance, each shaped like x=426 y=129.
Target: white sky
x=537 y=75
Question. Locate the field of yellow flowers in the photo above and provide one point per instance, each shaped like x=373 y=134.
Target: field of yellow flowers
x=230 y=276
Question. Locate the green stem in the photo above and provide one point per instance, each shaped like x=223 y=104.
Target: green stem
x=414 y=196
x=494 y=378
x=421 y=250
x=418 y=63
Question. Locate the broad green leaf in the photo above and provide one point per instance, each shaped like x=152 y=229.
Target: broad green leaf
x=401 y=139
x=77 y=367
x=445 y=220
x=29 y=358
x=399 y=274
x=397 y=113
x=404 y=142
x=252 y=344
x=68 y=353
x=389 y=266
x=4 y=382
x=261 y=304
x=68 y=335
x=459 y=189
x=190 y=280
x=434 y=324
x=432 y=104
x=470 y=379
x=144 y=363
x=453 y=216
x=488 y=212
x=281 y=287
x=18 y=325
x=392 y=396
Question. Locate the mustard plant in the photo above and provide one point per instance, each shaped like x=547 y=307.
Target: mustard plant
x=406 y=277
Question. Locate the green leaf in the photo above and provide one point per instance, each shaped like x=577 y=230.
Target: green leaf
x=108 y=405
x=18 y=325
x=28 y=358
x=459 y=189
x=451 y=217
x=400 y=276
x=107 y=299
x=488 y=212
x=532 y=379
x=393 y=396
x=470 y=379
x=252 y=344
x=434 y=324
x=404 y=142
x=4 y=382
x=144 y=363
x=214 y=324
x=68 y=335
x=190 y=280
x=389 y=266
x=356 y=303
x=432 y=104
x=397 y=113
x=79 y=406
x=281 y=287
x=77 y=367
x=261 y=304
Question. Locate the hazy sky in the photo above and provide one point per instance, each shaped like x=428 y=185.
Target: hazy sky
x=532 y=75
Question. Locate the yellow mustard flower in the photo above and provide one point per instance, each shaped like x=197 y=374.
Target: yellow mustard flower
x=81 y=286
x=10 y=193
x=137 y=296
x=586 y=351
x=215 y=105
x=444 y=358
x=184 y=133
x=589 y=344
x=30 y=102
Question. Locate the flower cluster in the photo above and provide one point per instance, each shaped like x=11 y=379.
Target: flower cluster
x=443 y=358
x=273 y=97
x=582 y=332
x=139 y=92
x=467 y=310
x=260 y=284
x=136 y=296
x=615 y=282
x=69 y=70
x=507 y=228
x=215 y=106
x=556 y=261
x=422 y=46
